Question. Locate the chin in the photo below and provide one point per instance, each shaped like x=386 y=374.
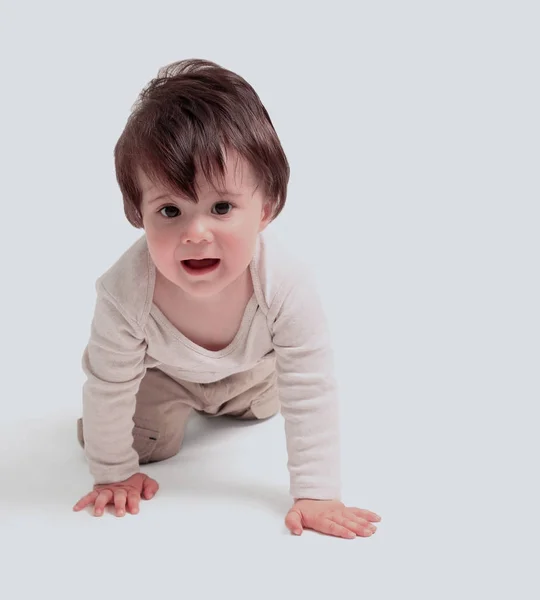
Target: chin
x=203 y=289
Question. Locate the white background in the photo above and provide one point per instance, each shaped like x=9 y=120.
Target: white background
x=412 y=130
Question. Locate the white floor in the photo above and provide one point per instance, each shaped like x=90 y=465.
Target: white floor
x=216 y=524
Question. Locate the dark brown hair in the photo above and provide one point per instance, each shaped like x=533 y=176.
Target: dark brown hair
x=182 y=121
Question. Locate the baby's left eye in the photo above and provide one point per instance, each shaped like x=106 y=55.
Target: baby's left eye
x=222 y=208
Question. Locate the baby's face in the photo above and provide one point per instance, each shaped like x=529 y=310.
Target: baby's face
x=222 y=226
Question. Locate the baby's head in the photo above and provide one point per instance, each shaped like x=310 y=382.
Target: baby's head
x=201 y=169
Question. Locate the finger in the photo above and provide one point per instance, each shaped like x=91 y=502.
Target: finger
x=104 y=497
x=325 y=525
x=358 y=525
x=133 y=499
x=349 y=514
x=293 y=521
x=365 y=514
x=85 y=501
x=120 y=496
x=150 y=487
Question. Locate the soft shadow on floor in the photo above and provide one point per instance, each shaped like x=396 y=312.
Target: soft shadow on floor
x=42 y=464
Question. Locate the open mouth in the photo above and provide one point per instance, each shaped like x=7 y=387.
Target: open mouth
x=200 y=267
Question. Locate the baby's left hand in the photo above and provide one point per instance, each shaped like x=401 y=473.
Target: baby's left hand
x=331 y=517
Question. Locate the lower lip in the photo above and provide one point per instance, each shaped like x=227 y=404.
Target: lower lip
x=204 y=271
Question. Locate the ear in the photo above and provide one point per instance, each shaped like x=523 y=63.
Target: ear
x=266 y=215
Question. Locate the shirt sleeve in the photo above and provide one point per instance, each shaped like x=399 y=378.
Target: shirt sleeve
x=113 y=362
x=308 y=392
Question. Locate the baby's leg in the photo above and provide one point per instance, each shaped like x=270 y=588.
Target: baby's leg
x=162 y=410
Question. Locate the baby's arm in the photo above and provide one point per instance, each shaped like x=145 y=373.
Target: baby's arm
x=309 y=404
x=113 y=362
x=307 y=390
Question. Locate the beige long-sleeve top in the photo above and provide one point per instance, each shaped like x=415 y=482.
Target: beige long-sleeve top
x=130 y=334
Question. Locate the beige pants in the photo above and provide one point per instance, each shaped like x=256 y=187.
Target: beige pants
x=164 y=404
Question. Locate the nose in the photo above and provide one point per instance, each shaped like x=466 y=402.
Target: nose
x=197 y=231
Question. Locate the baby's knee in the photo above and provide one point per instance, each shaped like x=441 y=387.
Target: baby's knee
x=148 y=443
x=162 y=448
x=80 y=435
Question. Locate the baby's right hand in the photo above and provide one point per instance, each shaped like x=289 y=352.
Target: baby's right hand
x=129 y=491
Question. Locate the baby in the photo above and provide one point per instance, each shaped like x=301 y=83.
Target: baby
x=203 y=312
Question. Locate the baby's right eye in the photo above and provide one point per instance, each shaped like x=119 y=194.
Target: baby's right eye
x=168 y=216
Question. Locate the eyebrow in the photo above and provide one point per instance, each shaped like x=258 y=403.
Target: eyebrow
x=168 y=195
x=228 y=193
x=160 y=197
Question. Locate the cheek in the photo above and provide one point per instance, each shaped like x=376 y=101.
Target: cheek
x=238 y=249
x=236 y=242
x=160 y=247
x=244 y=230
